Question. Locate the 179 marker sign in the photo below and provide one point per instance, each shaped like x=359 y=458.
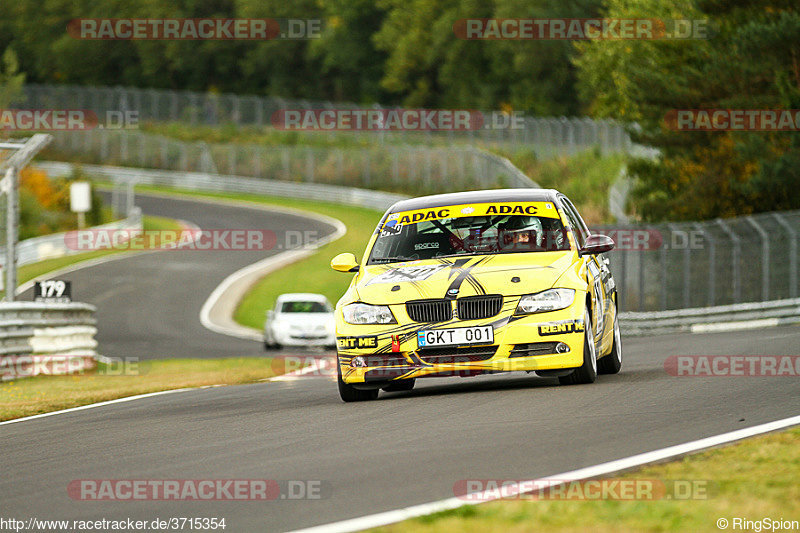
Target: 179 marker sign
x=52 y=291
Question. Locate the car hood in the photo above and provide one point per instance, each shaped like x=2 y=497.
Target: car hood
x=457 y=277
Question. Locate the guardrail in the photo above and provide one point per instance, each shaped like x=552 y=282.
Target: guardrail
x=54 y=245
x=711 y=319
x=46 y=338
x=199 y=181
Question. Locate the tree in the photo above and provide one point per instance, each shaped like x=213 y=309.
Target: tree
x=750 y=62
x=11 y=80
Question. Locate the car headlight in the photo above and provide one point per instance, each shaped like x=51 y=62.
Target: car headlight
x=360 y=313
x=542 y=302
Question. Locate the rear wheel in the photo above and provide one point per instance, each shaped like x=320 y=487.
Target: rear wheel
x=348 y=393
x=587 y=372
x=400 y=385
x=611 y=363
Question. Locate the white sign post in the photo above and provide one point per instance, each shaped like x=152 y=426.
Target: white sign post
x=23 y=152
x=80 y=200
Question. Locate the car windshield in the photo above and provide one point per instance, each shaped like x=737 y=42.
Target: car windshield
x=304 y=307
x=470 y=235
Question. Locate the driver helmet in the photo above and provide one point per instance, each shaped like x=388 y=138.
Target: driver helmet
x=522 y=228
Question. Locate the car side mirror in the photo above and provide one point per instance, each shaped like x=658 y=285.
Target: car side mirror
x=345 y=262
x=597 y=244
x=271 y=314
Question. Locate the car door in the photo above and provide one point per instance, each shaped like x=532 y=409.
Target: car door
x=600 y=279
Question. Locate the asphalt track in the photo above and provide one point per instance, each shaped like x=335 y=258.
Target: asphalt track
x=404 y=449
x=148 y=304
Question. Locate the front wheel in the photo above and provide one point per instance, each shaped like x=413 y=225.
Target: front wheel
x=611 y=363
x=587 y=372
x=348 y=393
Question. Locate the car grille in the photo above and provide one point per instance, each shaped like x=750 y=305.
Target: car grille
x=429 y=310
x=457 y=355
x=535 y=348
x=477 y=307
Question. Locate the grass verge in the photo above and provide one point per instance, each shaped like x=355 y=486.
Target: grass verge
x=41 y=394
x=753 y=479
x=314 y=273
x=585 y=177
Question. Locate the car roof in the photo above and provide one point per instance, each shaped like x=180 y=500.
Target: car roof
x=302 y=297
x=476 y=197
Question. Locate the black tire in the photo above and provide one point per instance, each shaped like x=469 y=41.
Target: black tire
x=587 y=372
x=611 y=363
x=348 y=393
x=401 y=385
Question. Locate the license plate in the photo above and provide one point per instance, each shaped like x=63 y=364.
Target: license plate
x=455 y=336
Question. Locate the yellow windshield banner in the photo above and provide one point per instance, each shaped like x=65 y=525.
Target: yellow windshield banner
x=539 y=209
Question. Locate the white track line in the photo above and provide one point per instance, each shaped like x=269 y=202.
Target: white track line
x=93 y=405
x=236 y=285
x=242 y=279
x=398 y=515
x=319 y=365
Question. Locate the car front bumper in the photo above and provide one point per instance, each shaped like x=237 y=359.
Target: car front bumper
x=537 y=342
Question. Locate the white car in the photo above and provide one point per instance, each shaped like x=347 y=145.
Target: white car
x=300 y=319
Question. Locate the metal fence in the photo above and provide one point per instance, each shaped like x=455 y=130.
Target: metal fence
x=712 y=263
x=413 y=169
x=547 y=135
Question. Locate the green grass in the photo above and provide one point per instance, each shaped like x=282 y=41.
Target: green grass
x=753 y=479
x=585 y=178
x=26 y=273
x=314 y=273
x=41 y=394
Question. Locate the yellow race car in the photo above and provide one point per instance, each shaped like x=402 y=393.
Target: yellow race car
x=477 y=282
